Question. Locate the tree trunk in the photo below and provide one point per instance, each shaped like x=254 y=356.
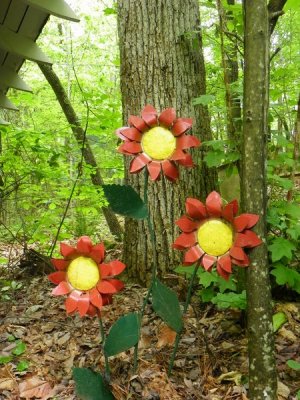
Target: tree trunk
x=79 y=135
x=162 y=64
x=262 y=366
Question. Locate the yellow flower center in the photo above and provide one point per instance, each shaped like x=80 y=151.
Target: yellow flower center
x=215 y=237
x=83 y=273
x=158 y=143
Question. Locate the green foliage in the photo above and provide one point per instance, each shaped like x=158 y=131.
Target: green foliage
x=8 y=289
x=294 y=365
x=165 y=303
x=18 y=350
x=123 y=335
x=278 y=320
x=286 y=276
x=220 y=153
x=231 y=300
x=90 y=385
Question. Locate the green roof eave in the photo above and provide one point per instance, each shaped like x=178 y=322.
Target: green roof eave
x=10 y=78
x=22 y=46
x=55 y=7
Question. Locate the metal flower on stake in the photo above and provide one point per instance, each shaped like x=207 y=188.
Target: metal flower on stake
x=214 y=235
x=157 y=144
x=89 y=284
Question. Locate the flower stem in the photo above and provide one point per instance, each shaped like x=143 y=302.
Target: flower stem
x=103 y=337
x=154 y=264
x=186 y=304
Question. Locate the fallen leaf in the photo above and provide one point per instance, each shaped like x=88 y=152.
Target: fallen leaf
x=166 y=336
x=232 y=376
x=34 y=387
x=283 y=390
x=6 y=379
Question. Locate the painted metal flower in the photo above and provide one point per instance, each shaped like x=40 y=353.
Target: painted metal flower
x=213 y=234
x=158 y=141
x=83 y=276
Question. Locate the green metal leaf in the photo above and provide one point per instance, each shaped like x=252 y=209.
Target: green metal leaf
x=165 y=303
x=123 y=335
x=278 y=320
x=124 y=200
x=90 y=385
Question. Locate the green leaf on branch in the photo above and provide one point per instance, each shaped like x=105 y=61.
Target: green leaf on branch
x=286 y=276
x=204 y=99
x=90 y=385
x=280 y=248
x=231 y=300
x=278 y=320
x=124 y=200
x=294 y=365
x=123 y=335
x=165 y=303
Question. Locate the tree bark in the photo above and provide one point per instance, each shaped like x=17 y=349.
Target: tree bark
x=79 y=135
x=262 y=366
x=275 y=8
x=162 y=64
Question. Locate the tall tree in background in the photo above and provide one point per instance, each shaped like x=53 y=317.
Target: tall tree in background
x=262 y=366
x=162 y=64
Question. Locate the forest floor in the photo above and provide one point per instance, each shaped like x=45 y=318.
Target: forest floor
x=211 y=361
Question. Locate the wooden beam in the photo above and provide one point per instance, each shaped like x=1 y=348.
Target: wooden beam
x=22 y=46
x=59 y=8
x=5 y=103
x=11 y=79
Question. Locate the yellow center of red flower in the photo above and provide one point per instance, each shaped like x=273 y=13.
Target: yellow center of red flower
x=158 y=143
x=215 y=237
x=83 y=273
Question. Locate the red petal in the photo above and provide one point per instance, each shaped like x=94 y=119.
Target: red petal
x=241 y=263
x=181 y=127
x=235 y=206
x=116 y=267
x=187 y=161
x=192 y=255
x=214 y=204
x=72 y=301
x=227 y=212
x=105 y=270
x=154 y=168
x=222 y=273
x=63 y=288
x=208 y=261
x=225 y=263
x=240 y=240
x=252 y=239
x=244 y=221
x=110 y=286
x=170 y=170
x=185 y=240
x=83 y=304
x=138 y=123
x=149 y=115
x=187 y=141
x=237 y=253
x=60 y=264
x=186 y=225
x=92 y=311
x=139 y=162
x=195 y=208
x=252 y=219
x=178 y=155
x=57 y=277
x=97 y=253
x=84 y=245
x=119 y=133
x=150 y=119
x=96 y=298
x=67 y=250
x=107 y=299
x=130 y=148
x=132 y=134
x=167 y=117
